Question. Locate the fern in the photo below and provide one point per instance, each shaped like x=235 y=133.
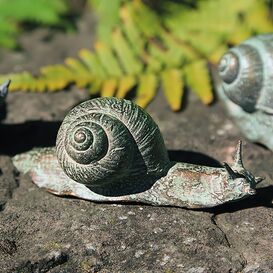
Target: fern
x=137 y=46
x=12 y=12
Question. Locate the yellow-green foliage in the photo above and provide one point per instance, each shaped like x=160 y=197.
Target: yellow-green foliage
x=136 y=46
x=14 y=12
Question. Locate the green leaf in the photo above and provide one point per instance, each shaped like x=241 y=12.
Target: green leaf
x=53 y=77
x=43 y=11
x=146 y=20
x=125 y=85
x=108 y=88
x=198 y=79
x=146 y=89
x=81 y=75
x=173 y=86
x=108 y=60
x=93 y=63
x=13 y=12
x=131 y=31
x=130 y=63
x=108 y=12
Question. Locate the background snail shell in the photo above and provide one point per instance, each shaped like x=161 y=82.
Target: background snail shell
x=107 y=140
x=244 y=83
x=247 y=74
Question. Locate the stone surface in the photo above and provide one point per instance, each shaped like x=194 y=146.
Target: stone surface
x=250 y=232
x=110 y=238
x=40 y=232
x=8 y=180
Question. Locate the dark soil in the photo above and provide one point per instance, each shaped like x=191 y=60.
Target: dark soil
x=40 y=232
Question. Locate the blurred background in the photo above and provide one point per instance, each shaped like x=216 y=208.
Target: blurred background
x=124 y=48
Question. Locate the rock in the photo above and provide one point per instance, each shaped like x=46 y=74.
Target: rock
x=48 y=106
x=8 y=180
x=250 y=232
x=44 y=264
x=109 y=238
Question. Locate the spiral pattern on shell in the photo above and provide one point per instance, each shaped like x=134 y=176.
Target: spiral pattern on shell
x=108 y=141
x=247 y=73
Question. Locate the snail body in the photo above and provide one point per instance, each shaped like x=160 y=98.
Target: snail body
x=132 y=163
x=245 y=86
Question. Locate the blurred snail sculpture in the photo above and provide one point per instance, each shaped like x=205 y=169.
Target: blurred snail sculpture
x=111 y=150
x=246 y=87
x=4 y=91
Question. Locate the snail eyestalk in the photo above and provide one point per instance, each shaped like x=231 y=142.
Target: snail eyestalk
x=231 y=173
x=238 y=162
x=241 y=182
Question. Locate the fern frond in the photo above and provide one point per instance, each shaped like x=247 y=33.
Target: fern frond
x=198 y=78
x=128 y=60
x=173 y=87
x=108 y=12
x=109 y=87
x=145 y=49
x=125 y=85
x=41 y=11
x=146 y=89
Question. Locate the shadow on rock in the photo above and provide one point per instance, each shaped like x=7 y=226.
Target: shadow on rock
x=193 y=158
x=19 y=138
x=3 y=112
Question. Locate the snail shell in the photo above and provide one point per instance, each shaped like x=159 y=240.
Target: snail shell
x=106 y=141
x=247 y=74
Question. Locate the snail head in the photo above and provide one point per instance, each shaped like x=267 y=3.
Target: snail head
x=240 y=182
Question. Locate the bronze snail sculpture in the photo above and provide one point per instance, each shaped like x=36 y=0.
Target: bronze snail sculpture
x=111 y=150
x=246 y=87
x=4 y=91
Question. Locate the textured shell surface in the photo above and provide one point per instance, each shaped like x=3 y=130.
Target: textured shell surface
x=247 y=74
x=109 y=140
